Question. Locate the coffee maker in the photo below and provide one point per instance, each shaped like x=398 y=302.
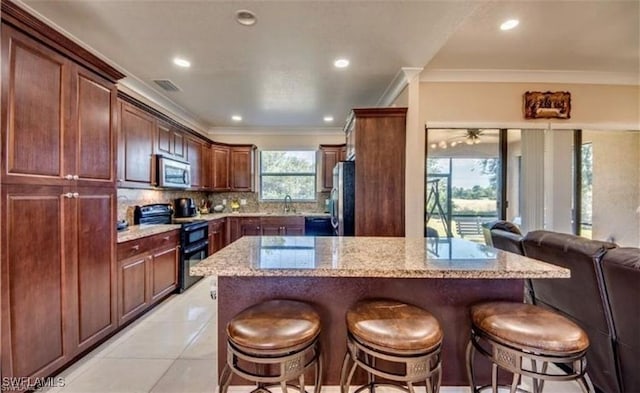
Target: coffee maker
x=185 y=207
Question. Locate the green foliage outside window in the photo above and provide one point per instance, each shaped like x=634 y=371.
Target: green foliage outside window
x=288 y=173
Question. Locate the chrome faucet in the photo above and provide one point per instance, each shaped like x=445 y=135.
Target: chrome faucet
x=288 y=208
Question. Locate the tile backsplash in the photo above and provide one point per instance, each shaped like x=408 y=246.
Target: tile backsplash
x=129 y=198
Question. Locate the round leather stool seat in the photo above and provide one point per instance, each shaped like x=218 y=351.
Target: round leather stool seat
x=388 y=324
x=529 y=327
x=274 y=325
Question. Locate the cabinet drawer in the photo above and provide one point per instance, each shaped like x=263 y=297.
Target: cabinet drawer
x=146 y=244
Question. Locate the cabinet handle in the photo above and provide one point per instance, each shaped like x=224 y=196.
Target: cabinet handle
x=165 y=238
x=136 y=247
x=69 y=177
x=68 y=195
x=120 y=180
x=75 y=195
x=76 y=177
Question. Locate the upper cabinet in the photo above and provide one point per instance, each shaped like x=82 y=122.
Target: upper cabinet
x=220 y=168
x=170 y=141
x=330 y=156
x=135 y=147
x=57 y=117
x=378 y=139
x=194 y=157
x=242 y=167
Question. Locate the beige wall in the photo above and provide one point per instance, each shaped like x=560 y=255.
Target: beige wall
x=479 y=104
x=616 y=190
x=501 y=104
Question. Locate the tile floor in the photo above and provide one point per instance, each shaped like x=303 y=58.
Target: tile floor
x=173 y=349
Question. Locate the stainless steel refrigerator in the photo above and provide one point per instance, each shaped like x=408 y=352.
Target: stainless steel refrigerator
x=343 y=198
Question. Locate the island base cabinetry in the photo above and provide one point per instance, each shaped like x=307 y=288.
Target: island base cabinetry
x=147 y=272
x=448 y=300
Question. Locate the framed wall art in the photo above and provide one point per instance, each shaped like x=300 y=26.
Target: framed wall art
x=547 y=105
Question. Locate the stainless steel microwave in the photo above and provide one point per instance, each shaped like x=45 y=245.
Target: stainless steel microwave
x=173 y=173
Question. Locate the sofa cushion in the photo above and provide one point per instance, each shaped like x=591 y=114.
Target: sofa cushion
x=621 y=270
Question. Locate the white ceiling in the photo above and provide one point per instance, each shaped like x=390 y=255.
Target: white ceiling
x=279 y=73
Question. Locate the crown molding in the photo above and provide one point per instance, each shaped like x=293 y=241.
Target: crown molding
x=300 y=131
x=530 y=76
x=541 y=124
x=140 y=90
x=131 y=84
x=397 y=85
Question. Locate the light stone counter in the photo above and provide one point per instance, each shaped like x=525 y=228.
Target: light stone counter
x=139 y=231
x=274 y=256
x=214 y=216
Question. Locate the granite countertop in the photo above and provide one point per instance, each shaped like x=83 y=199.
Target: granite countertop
x=138 y=231
x=134 y=232
x=292 y=256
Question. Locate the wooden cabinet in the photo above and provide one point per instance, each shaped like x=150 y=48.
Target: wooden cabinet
x=330 y=156
x=135 y=147
x=378 y=137
x=220 y=167
x=57 y=274
x=58 y=127
x=147 y=272
x=282 y=226
x=217 y=235
x=265 y=226
x=58 y=208
x=169 y=140
x=350 y=135
x=241 y=167
x=195 y=157
x=207 y=167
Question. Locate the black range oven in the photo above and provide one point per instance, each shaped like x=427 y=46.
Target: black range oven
x=194 y=235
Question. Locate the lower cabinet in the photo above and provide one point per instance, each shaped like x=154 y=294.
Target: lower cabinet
x=217 y=235
x=265 y=226
x=147 y=272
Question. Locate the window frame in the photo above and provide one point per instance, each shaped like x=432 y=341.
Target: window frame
x=283 y=174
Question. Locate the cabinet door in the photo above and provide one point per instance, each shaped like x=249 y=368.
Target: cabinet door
x=241 y=168
x=250 y=227
x=34 y=278
x=272 y=229
x=330 y=157
x=163 y=272
x=216 y=236
x=94 y=146
x=220 y=160
x=194 y=156
x=93 y=259
x=136 y=147
x=234 y=229
x=164 y=139
x=207 y=167
x=178 y=144
x=35 y=110
x=132 y=286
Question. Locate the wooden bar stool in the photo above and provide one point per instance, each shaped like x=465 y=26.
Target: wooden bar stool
x=400 y=336
x=272 y=343
x=508 y=333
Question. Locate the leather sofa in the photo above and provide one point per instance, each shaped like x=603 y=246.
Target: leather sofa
x=602 y=296
x=621 y=270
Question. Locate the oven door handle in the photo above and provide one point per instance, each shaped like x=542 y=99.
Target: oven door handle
x=202 y=245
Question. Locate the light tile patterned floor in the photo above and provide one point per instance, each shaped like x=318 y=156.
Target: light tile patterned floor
x=173 y=349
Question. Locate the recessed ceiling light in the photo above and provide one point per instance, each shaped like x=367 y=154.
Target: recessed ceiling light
x=236 y=118
x=180 y=62
x=341 y=63
x=246 y=17
x=510 y=24
x=328 y=119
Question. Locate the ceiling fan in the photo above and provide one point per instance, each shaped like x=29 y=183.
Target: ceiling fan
x=471 y=136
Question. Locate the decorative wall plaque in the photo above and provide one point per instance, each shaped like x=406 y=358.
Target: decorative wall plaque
x=547 y=105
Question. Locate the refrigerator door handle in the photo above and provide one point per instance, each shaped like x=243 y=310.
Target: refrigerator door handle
x=334 y=218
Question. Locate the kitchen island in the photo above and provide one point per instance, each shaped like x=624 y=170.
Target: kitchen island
x=442 y=275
